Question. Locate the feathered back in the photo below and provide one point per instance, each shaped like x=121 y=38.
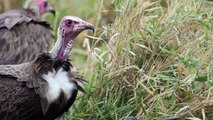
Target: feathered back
x=22 y=36
x=15 y=81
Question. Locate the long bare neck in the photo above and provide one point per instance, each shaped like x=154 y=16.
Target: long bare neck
x=62 y=47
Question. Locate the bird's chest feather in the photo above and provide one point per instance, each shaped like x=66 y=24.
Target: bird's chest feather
x=58 y=82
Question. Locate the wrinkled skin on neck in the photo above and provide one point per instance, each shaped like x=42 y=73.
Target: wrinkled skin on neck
x=67 y=43
x=63 y=45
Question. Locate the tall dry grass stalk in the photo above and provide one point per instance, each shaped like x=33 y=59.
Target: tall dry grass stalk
x=155 y=61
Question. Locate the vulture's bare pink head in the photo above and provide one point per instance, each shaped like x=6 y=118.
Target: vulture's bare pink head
x=44 y=7
x=39 y=6
x=69 y=28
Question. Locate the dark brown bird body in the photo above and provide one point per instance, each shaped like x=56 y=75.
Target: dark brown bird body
x=46 y=87
x=22 y=36
x=23 y=93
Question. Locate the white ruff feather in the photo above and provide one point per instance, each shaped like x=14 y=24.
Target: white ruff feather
x=58 y=82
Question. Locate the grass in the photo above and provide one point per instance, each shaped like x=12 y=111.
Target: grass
x=153 y=62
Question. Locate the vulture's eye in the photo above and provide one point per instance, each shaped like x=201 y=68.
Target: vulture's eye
x=69 y=23
x=45 y=4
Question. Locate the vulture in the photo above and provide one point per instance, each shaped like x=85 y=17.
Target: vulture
x=46 y=87
x=22 y=34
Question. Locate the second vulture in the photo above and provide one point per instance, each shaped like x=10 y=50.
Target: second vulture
x=22 y=33
x=44 y=88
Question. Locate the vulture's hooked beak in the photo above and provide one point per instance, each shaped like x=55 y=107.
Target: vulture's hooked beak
x=89 y=26
x=51 y=10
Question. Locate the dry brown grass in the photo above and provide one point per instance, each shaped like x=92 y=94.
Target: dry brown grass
x=155 y=61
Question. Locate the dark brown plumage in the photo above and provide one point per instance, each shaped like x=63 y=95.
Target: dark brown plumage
x=23 y=35
x=45 y=88
x=22 y=90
